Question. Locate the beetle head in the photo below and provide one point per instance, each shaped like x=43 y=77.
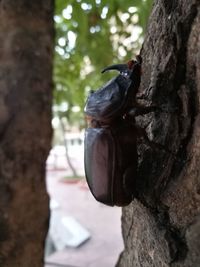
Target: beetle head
x=132 y=68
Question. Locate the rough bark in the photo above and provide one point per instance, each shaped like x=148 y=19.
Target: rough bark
x=162 y=226
x=26 y=45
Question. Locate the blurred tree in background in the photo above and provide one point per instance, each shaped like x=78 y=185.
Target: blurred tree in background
x=90 y=35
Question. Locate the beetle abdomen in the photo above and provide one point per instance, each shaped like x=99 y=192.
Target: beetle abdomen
x=100 y=161
x=105 y=168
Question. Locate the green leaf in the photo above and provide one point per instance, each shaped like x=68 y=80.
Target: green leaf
x=90 y=35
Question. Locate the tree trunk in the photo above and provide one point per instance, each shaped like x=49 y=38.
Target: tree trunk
x=26 y=46
x=162 y=226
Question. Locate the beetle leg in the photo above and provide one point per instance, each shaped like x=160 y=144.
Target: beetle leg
x=141 y=133
x=166 y=109
x=141 y=110
x=129 y=181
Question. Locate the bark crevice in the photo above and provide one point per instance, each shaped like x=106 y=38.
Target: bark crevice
x=159 y=223
x=174 y=236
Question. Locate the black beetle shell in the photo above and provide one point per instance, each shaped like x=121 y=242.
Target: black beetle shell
x=109 y=101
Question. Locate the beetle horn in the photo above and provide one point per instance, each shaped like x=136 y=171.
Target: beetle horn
x=119 y=67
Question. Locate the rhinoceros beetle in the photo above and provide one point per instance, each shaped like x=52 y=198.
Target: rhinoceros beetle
x=110 y=149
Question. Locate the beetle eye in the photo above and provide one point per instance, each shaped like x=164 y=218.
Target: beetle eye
x=139 y=59
x=130 y=64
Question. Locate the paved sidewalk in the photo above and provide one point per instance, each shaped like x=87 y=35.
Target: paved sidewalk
x=103 y=223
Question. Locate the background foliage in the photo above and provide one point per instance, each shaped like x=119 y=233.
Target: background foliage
x=91 y=34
